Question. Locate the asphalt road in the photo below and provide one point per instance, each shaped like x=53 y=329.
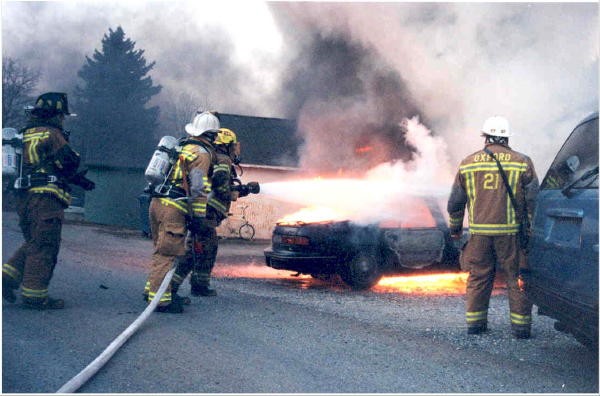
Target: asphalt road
x=267 y=332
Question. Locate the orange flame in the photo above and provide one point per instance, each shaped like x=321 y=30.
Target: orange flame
x=430 y=284
x=363 y=149
x=313 y=214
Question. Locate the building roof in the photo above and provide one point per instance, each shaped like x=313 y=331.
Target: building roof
x=264 y=141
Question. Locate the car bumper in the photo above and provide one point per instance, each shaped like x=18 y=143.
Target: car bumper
x=300 y=262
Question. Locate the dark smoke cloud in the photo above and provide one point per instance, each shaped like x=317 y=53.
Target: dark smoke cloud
x=536 y=63
x=349 y=104
x=345 y=66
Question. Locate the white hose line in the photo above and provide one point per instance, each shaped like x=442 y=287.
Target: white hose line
x=92 y=368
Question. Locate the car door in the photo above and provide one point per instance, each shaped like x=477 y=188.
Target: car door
x=419 y=246
x=564 y=249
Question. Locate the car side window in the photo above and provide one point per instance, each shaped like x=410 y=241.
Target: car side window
x=577 y=159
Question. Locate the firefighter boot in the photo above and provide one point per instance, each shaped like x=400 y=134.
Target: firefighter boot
x=182 y=300
x=174 y=307
x=477 y=328
x=203 y=289
x=8 y=290
x=42 y=304
x=521 y=332
x=200 y=285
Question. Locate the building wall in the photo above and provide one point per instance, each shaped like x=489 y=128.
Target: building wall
x=114 y=201
x=261 y=211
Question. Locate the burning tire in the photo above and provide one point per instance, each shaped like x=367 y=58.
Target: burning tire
x=362 y=271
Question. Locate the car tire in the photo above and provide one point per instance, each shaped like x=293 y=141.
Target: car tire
x=362 y=271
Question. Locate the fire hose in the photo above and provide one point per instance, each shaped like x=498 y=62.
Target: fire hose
x=76 y=382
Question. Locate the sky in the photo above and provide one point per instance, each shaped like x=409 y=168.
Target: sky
x=351 y=73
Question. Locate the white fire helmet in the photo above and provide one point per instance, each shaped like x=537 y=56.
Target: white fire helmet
x=205 y=121
x=496 y=126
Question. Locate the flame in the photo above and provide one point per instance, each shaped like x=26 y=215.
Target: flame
x=313 y=214
x=430 y=284
x=253 y=272
x=364 y=149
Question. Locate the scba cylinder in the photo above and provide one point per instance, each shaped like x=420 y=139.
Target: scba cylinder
x=11 y=150
x=163 y=158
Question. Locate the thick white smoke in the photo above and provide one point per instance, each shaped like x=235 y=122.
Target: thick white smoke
x=390 y=191
x=535 y=63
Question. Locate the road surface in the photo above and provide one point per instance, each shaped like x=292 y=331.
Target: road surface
x=267 y=332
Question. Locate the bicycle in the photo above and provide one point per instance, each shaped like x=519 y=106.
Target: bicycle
x=246 y=231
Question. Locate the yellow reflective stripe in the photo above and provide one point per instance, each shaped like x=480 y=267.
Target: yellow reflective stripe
x=471 y=193
x=51 y=188
x=166 y=297
x=36 y=135
x=476 y=316
x=175 y=204
x=187 y=153
x=11 y=271
x=221 y=168
x=147 y=287
x=491 y=166
x=178 y=279
x=43 y=293
x=33 y=155
x=455 y=221
x=520 y=319
x=493 y=229
x=217 y=204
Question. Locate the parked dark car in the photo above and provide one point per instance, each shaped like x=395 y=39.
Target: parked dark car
x=564 y=249
x=361 y=255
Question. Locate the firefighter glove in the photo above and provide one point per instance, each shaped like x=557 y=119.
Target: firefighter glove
x=80 y=180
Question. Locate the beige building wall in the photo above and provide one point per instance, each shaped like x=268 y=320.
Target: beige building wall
x=261 y=211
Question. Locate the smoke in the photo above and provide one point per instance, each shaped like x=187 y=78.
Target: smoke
x=348 y=72
x=389 y=191
x=207 y=50
x=459 y=63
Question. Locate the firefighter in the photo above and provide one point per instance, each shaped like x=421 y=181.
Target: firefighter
x=182 y=209
x=49 y=164
x=227 y=150
x=494 y=225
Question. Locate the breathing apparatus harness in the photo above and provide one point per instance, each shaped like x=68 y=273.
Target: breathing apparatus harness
x=165 y=188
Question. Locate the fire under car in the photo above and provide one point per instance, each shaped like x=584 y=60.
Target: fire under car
x=362 y=254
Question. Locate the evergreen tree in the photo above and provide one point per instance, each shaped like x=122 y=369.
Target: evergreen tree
x=114 y=126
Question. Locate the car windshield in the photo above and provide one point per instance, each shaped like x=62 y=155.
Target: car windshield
x=576 y=164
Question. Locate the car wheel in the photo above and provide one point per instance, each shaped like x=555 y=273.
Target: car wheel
x=362 y=271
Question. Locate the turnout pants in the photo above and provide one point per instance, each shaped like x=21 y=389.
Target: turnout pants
x=168 y=227
x=32 y=265
x=205 y=250
x=480 y=256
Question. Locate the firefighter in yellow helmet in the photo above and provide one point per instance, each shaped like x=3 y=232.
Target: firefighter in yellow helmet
x=227 y=150
x=182 y=208
x=494 y=224
x=49 y=164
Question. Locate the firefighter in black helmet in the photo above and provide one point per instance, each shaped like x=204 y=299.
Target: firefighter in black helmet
x=49 y=165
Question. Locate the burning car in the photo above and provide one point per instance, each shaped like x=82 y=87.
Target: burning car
x=362 y=254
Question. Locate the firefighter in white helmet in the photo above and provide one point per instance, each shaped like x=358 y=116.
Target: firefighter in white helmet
x=182 y=208
x=494 y=224
x=227 y=150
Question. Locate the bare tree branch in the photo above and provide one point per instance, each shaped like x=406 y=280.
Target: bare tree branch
x=18 y=82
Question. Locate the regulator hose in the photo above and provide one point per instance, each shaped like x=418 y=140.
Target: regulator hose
x=76 y=382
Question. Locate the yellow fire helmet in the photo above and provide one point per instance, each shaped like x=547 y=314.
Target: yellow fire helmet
x=225 y=136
